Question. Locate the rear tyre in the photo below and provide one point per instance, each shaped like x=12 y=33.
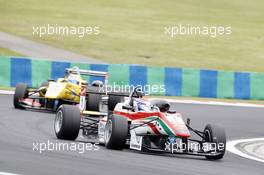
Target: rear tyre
x=116 y=131
x=93 y=102
x=67 y=122
x=20 y=93
x=113 y=100
x=216 y=135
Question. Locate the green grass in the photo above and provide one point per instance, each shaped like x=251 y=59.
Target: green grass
x=7 y=88
x=133 y=31
x=4 y=52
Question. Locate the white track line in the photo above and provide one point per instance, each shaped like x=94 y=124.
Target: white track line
x=216 y=103
x=6 y=92
x=231 y=147
x=5 y=173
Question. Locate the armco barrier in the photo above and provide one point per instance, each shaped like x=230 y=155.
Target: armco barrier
x=177 y=81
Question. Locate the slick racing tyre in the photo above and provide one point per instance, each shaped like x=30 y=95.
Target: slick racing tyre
x=116 y=131
x=20 y=93
x=67 y=122
x=216 y=135
x=93 y=102
x=113 y=100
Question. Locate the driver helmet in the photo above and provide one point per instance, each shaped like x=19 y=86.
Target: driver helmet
x=140 y=93
x=73 y=79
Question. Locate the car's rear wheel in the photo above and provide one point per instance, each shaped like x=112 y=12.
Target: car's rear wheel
x=67 y=122
x=21 y=92
x=93 y=102
x=113 y=100
x=116 y=132
x=215 y=135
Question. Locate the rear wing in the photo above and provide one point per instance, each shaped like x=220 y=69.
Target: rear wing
x=87 y=72
x=104 y=90
x=76 y=70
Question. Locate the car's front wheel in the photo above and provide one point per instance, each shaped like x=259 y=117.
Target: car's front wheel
x=20 y=93
x=116 y=132
x=216 y=136
x=67 y=122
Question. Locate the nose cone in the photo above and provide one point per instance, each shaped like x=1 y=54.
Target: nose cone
x=177 y=124
x=182 y=132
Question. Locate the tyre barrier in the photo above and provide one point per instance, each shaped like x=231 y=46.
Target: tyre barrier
x=168 y=81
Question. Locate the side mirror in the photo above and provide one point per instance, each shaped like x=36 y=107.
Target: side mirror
x=188 y=121
x=127 y=107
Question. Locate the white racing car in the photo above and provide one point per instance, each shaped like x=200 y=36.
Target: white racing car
x=142 y=125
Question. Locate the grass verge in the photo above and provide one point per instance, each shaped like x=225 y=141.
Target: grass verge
x=4 y=51
x=133 y=31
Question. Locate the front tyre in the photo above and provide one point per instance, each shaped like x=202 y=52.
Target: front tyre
x=21 y=92
x=216 y=135
x=116 y=131
x=67 y=122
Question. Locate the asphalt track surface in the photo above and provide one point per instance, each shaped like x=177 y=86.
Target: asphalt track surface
x=19 y=129
x=41 y=51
